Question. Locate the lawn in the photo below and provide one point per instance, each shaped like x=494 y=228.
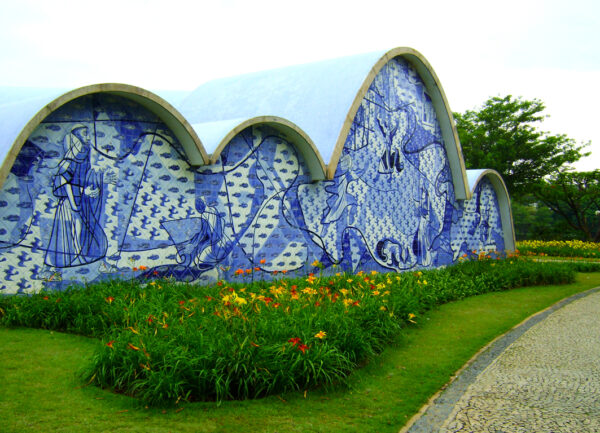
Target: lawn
x=40 y=390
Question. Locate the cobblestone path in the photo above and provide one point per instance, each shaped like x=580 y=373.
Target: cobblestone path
x=546 y=380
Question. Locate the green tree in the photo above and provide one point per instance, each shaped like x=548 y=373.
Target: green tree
x=503 y=135
x=575 y=197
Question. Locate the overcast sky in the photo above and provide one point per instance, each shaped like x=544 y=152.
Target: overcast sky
x=548 y=50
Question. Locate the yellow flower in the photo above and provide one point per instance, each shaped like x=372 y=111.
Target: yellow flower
x=316 y=263
x=349 y=280
x=373 y=272
x=347 y=301
x=240 y=301
x=375 y=292
x=411 y=316
x=321 y=334
x=382 y=308
x=344 y=291
x=425 y=282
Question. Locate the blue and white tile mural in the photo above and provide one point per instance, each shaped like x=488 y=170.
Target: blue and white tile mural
x=102 y=185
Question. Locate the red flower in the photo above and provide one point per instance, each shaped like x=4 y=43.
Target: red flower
x=219 y=283
x=317 y=304
x=155 y=273
x=208 y=298
x=110 y=344
x=151 y=318
x=181 y=302
x=276 y=305
x=109 y=299
x=134 y=269
x=45 y=298
x=267 y=300
x=302 y=347
x=294 y=341
x=294 y=287
x=355 y=303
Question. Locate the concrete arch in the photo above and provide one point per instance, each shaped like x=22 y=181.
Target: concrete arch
x=221 y=133
x=31 y=116
x=442 y=109
x=474 y=177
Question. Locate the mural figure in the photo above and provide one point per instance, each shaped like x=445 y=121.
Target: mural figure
x=77 y=235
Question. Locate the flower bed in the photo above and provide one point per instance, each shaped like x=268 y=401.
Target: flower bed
x=573 y=249
x=165 y=342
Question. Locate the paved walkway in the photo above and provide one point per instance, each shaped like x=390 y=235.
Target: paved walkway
x=544 y=376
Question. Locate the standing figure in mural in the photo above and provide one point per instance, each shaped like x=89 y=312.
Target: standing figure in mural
x=77 y=237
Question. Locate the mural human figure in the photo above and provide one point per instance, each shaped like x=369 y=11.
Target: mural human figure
x=77 y=237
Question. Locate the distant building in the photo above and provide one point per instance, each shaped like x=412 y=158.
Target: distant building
x=352 y=162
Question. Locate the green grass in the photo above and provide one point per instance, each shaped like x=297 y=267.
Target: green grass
x=40 y=391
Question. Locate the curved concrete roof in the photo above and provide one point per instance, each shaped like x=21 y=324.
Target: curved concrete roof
x=220 y=133
x=474 y=177
x=319 y=98
x=21 y=113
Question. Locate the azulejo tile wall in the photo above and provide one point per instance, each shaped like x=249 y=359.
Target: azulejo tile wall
x=102 y=186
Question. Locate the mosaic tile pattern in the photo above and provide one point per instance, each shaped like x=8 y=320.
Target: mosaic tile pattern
x=102 y=185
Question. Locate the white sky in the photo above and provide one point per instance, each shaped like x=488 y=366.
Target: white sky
x=548 y=50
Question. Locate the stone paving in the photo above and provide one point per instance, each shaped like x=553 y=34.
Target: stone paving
x=544 y=377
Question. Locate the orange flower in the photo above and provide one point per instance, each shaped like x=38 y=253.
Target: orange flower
x=134 y=269
x=321 y=334
x=132 y=347
x=294 y=341
x=276 y=305
x=254 y=344
x=248 y=271
x=284 y=271
x=302 y=347
x=109 y=299
x=263 y=261
x=239 y=271
x=257 y=269
x=45 y=298
x=110 y=344
x=143 y=268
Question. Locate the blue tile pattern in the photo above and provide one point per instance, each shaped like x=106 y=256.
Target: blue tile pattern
x=102 y=185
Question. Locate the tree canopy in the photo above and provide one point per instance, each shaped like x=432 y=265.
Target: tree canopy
x=575 y=197
x=503 y=135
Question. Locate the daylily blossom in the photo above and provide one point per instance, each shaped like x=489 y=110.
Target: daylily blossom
x=109 y=299
x=302 y=347
x=411 y=316
x=294 y=341
x=321 y=334
x=110 y=344
x=132 y=347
